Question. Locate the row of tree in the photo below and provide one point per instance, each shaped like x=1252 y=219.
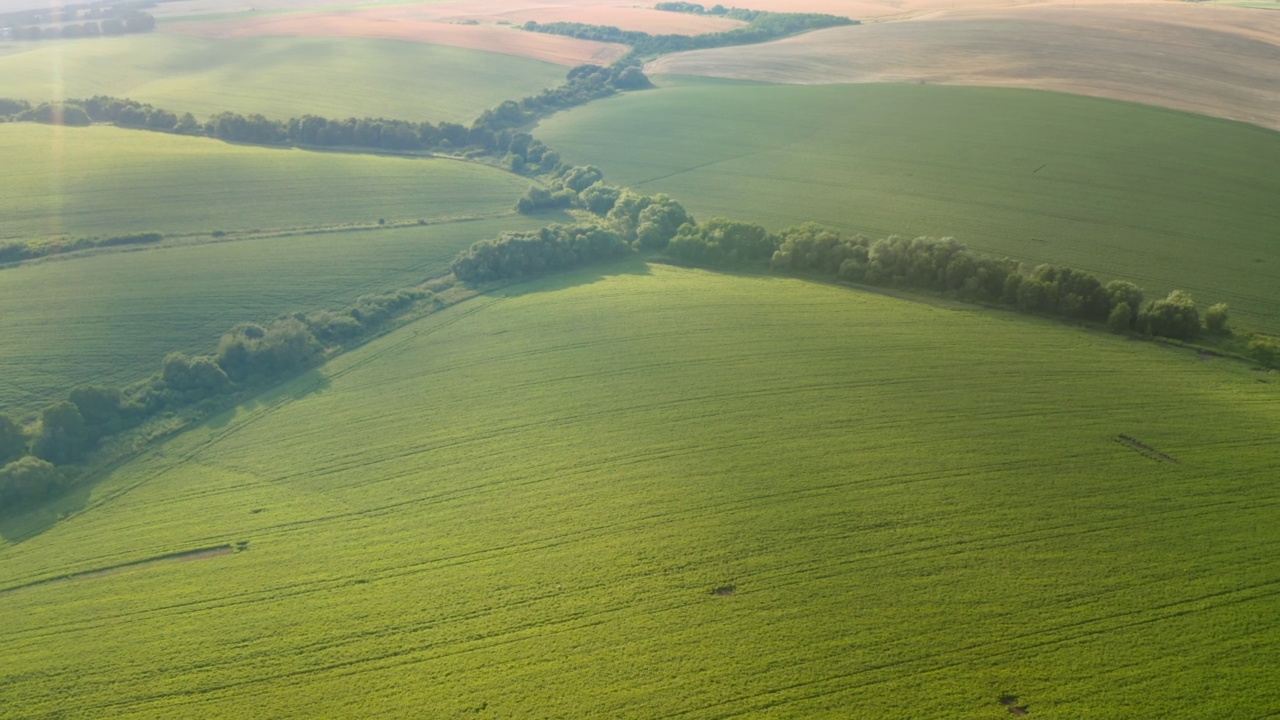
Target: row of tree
x=763 y=27
x=496 y=131
x=18 y=250
x=122 y=23
x=731 y=13
x=945 y=266
x=38 y=461
x=526 y=254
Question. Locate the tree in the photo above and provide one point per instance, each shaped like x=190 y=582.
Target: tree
x=13 y=442
x=1174 y=317
x=63 y=435
x=1265 y=350
x=1215 y=319
x=103 y=409
x=1121 y=318
x=27 y=480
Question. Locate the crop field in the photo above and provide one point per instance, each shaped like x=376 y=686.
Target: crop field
x=105 y=180
x=1227 y=63
x=656 y=492
x=279 y=77
x=1162 y=198
x=111 y=318
x=400 y=24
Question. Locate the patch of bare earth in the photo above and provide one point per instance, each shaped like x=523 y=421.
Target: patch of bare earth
x=1213 y=60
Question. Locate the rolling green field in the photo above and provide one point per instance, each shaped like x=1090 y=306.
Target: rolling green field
x=111 y=318
x=278 y=77
x=1163 y=198
x=520 y=507
x=104 y=180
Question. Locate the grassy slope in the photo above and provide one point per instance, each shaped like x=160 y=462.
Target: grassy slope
x=278 y=77
x=1160 y=197
x=103 y=180
x=111 y=318
x=517 y=508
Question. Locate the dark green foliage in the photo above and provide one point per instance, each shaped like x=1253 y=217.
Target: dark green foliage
x=28 y=480
x=105 y=410
x=723 y=243
x=17 y=251
x=658 y=222
x=56 y=114
x=581 y=177
x=538 y=198
x=1174 y=317
x=1120 y=320
x=13 y=442
x=599 y=199
x=1265 y=350
x=1216 y=320
x=63 y=436
x=11 y=106
x=519 y=255
x=717 y=10
x=192 y=379
x=252 y=353
x=811 y=249
x=763 y=27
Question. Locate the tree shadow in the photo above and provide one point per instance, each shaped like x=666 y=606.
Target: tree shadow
x=29 y=523
x=575 y=278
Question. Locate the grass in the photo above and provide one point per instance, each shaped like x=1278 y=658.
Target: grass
x=1163 y=198
x=519 y=507
x=279 y=77
x=111 y=318
x=106 y=181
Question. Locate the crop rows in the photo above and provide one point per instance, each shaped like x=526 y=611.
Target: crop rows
x=1161 y=198
x=525 y=513
x=280 y=77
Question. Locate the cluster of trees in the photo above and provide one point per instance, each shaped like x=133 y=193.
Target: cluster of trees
x=17 y=250
x=121 y=22
x=520 y=255
x=763 y=27
x=39 y=461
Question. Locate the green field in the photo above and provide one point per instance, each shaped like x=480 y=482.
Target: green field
x=279 y=77
x=111 y=318
x=1163 y=198
x=104 y=180
x=519 y=507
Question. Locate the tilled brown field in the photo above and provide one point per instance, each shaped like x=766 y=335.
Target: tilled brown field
x=1214 y=60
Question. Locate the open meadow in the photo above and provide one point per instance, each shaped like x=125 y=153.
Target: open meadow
x=106 y=180
x=280 y=77
x=657 y=492
x=1158 y=197
x=109 y=319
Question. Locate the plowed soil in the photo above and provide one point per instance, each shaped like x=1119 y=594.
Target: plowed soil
x=1213 y=60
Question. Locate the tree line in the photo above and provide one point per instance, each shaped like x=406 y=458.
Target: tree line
x=762 y=27
x=39 y=461
x=113 y=21
x=18 y=250
x=634 y=222
x=495 y=132
x=731 y=13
